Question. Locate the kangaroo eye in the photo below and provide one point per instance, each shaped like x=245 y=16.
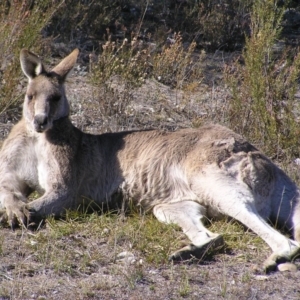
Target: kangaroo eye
x=29 y=97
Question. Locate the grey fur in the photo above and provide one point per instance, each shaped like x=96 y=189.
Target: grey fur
x=181 y=176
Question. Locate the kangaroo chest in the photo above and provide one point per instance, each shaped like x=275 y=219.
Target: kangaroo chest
x=47 y=165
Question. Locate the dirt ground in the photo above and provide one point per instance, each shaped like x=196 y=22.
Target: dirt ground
x=29 y=270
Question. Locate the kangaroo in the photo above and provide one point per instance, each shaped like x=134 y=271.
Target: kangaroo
x=182 y=177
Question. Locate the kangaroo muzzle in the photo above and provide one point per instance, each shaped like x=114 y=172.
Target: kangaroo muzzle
x=40 y=123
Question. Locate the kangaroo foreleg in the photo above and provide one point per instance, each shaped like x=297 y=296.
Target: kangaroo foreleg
x=51 y=203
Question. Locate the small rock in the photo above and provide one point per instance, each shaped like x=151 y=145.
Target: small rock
x=287 y=267
x=124 y=254
x=126 y=257
x=261 y=277
x=105 y=231
x=297 y=161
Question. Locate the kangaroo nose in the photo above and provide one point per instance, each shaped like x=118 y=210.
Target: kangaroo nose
x=40 y=121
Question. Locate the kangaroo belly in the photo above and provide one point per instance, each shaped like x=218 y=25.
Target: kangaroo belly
x=153 y=184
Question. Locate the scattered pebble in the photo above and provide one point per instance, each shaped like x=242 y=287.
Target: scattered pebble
x=261 y=277
x=126 y=257
x=33 y=243
x=297 y=161
x=105 y=231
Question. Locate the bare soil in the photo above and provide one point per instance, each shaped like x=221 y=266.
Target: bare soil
x=233 y=274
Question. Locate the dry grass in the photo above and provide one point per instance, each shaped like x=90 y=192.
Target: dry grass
x=263 y=106
x=20 y=27
x=117 y=256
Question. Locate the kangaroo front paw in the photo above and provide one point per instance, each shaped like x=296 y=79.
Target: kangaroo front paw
x=3 y=217
x=15 y=213
x=192 y=250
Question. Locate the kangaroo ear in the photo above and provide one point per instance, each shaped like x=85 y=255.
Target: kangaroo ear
x=66 y=65
x=31 y=64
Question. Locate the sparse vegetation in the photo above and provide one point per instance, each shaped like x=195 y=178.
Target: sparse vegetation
x=121 y=68
x=263 y=102
x=83 y=246
x=21 y=24
x=136 y=45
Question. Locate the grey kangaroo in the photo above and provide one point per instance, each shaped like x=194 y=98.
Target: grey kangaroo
x=182 y=177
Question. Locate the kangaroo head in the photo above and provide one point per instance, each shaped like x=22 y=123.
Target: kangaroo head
x=45 y=99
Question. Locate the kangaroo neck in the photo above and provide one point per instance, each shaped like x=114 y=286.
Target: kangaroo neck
x=61 y=132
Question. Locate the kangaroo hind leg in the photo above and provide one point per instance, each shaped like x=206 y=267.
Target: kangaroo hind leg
x=188 y=215
x=235 y=199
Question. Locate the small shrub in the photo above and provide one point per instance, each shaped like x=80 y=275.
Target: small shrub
x=85 y=20
x=21 y=23
x=122 y=67
x=263 y=87
x=121 y=59
x=213 y=24
x=176 y=66
x=220 y=24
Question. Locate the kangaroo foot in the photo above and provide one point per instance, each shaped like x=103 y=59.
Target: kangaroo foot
x=192 y=250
